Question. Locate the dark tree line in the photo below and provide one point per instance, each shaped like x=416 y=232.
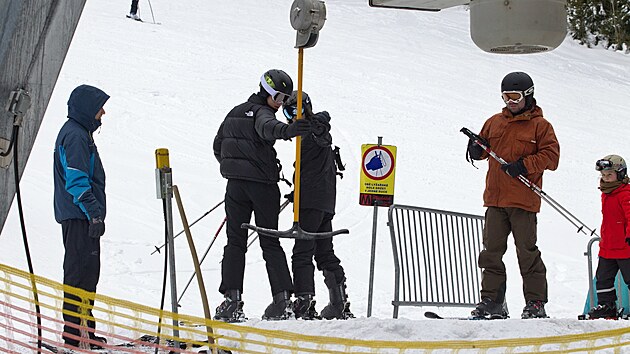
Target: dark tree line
x=595 y=22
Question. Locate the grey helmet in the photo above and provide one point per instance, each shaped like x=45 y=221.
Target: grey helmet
x=613 y=163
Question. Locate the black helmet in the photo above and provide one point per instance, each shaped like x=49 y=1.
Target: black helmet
x=290 y=106
x=277 y=84
x=518 y=81
x=521 y=82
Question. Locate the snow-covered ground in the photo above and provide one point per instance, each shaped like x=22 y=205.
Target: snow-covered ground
x=414 y=78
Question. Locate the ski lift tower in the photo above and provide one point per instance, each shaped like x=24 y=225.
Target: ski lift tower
x=503 y=26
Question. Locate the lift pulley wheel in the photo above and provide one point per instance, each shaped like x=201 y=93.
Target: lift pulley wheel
x=307 y=18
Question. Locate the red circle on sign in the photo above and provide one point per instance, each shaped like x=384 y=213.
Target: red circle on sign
x=391 y=158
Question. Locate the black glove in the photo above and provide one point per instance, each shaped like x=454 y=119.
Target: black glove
x=289 y=197
x=298 y=127
x=96 y=228
x=515 y=168
x=474 y=150
x=319 y=128
x=628 y=241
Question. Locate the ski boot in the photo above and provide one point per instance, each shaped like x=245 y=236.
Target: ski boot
x=98 y=339
x=231 y=309
x=339 y=306
x=304 y=308
x=280 y=308
x=534 y=309
x=607 y=311
x=489 y=309
x=134 y=16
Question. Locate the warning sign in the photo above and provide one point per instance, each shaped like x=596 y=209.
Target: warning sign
x=377 y=174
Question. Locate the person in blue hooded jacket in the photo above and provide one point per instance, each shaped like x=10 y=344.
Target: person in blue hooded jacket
x=79 y=200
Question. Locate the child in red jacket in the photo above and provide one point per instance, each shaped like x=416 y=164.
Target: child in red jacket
x=614 y=246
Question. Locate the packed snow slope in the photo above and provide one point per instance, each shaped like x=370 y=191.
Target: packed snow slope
x=414 y=78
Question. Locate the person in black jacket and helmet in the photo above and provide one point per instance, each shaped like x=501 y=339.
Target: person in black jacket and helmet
x=244 y=147
x=318 y=173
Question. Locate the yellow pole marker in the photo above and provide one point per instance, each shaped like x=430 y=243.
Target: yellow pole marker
x=161 y=159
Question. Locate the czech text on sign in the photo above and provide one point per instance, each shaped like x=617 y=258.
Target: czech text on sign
x=377 y=174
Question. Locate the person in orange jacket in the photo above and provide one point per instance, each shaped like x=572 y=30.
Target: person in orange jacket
x=614 y=246
x=523 y=137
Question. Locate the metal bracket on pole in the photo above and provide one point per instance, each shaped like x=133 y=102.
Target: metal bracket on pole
x=19 y=102
x=5 y=161
x=164 y=183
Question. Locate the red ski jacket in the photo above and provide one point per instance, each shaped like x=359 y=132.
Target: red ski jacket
x=615 y=223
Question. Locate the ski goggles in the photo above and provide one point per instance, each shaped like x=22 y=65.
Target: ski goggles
x=291 y=112
x=277 y=96
x=516 y=96
x=602 y=165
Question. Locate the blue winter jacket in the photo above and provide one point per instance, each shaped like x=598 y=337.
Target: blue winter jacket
x=78 y=171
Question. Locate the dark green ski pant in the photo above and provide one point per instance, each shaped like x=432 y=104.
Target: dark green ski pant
x=521 y=223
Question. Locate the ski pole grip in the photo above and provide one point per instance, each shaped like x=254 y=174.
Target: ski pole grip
x=468 y=133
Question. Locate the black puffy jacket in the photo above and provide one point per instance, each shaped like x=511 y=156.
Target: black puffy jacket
x=244 y=142
x=317 y=166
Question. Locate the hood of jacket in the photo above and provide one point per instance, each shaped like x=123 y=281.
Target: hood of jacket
x=84 y=102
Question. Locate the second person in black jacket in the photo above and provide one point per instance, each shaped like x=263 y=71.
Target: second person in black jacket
x=318 y=174
x=244 y=148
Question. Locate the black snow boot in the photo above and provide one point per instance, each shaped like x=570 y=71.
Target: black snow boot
x=534 y=309
x=280 y=308
x=99 y=339
x=608 y=311
x=339 y=306
x=231 y=309
x=489 y=309
x=304 y=307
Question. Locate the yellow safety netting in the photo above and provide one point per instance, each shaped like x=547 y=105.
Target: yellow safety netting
x=123 y=321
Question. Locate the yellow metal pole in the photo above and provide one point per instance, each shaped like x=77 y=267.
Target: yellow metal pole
x=298 y=145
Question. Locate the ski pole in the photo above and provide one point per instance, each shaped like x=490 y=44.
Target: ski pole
x=157 y=249
x=202 y=259
x=544 y=196
x=284 y=205
x=151 y=8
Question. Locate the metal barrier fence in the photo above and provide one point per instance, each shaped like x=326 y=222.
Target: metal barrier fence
x=621 y=288
x=435 y=257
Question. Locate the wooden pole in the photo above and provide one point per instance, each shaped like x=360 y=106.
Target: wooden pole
x=202 y=287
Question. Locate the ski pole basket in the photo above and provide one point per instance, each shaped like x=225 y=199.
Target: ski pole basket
x=435 y=257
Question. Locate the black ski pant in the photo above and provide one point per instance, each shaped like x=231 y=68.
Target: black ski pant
x=606 y=272
x=81 y=269
x=313 y=220
x=241 y=198
x=134 y=6
x=499 y=222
